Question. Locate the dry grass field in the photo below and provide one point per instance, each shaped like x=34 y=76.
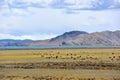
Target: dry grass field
x=60 y=64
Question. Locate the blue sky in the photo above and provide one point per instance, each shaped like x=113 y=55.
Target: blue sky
x=43 y=19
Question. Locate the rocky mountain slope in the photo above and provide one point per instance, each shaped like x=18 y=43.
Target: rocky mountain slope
x=78 y=38
x=105 y=38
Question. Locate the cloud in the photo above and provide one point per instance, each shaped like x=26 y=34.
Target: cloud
x=25 y=4
x=18 y=18
x=21 y=7
x=61 y=4
x=53 y=21
x=32 y=36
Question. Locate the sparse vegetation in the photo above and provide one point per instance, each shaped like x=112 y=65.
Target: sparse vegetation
x=60 y=64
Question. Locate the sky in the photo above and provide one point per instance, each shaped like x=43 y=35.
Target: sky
x=44 y=19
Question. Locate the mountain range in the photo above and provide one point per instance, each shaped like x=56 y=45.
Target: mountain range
x=72 y=38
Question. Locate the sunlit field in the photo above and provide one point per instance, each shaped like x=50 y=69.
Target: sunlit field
x=60 y=64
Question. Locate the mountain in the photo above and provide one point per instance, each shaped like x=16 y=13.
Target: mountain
x=64 y=38
x=7 y=42
x=12 y=40
x=68 y=35
x=78 y=38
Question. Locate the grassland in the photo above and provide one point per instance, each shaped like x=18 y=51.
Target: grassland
x=60 y=64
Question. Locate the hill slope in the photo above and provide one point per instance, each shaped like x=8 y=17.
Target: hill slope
x=105 y=38
x=78 y=38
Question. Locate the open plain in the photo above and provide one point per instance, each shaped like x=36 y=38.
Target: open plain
x=60 y=64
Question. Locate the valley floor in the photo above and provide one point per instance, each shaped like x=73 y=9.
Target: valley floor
x=60 y=64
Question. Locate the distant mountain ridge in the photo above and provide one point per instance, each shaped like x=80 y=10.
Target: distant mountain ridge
x=76 y=38
x=9 y=42
x=68 y=35
x=13 y=40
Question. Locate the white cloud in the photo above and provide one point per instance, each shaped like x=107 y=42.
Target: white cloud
x=53 y=21
x=77 y=4
x=22 y=37
x=39 y=18
x=21 y=7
